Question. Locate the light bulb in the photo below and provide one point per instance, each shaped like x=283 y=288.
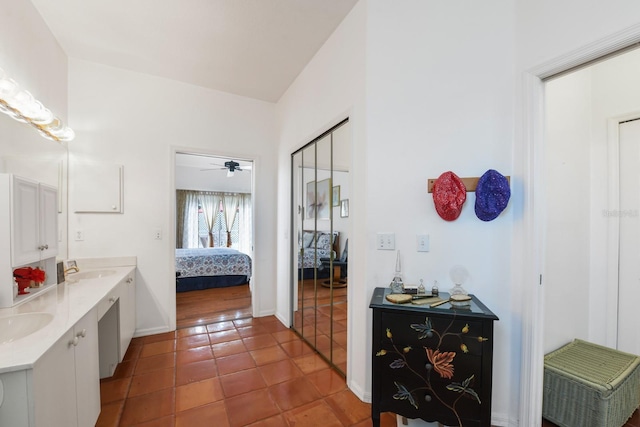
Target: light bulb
x=8 y=87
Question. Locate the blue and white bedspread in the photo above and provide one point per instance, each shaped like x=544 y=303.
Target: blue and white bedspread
x=212 y=262
x=312 y=257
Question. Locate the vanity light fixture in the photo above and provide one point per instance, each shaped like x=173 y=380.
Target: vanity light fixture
x=23 y=107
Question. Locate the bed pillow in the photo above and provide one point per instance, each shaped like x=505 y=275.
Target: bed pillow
x=324 y=242
x=307 y=239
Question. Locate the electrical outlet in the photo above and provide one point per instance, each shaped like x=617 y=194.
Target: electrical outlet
x=422 y=242
x=79 y=235
x=157 y=233
x=386 y=241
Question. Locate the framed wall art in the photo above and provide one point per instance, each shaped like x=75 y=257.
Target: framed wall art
x=344 y=208
x=335 y=196
x=318 y=200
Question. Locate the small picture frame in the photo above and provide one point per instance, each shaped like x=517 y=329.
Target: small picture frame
x=344 y=208
x=335 y=196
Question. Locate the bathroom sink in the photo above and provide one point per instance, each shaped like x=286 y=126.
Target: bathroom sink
x=19 y=326
x=93 y=274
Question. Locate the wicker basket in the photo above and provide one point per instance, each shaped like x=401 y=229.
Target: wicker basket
x=587 y=385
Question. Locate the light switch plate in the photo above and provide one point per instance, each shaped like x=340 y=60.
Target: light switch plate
x=422 y=242
x=386 y=241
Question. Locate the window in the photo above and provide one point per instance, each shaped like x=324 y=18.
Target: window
x=219 y=230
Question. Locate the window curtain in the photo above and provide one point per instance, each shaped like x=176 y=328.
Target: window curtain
x=244 y=223
x=181 y=207
x=187 y=219
x=210 y=207
x=230 y=204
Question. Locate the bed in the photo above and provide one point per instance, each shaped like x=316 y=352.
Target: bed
x=313 y=247
x=205 y=268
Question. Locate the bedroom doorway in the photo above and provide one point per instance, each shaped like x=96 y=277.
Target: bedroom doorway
x=214 y=241
x=320 y=188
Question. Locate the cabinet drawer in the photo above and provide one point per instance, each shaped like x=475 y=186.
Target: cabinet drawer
x=107 y=302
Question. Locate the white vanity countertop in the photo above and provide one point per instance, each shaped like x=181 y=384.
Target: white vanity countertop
x=68 y=302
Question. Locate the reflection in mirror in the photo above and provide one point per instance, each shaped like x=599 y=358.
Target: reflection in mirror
x=25 y=153
x=319 y=276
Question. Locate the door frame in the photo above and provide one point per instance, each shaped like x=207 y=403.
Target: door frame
x=528 y=261
x=255 y=291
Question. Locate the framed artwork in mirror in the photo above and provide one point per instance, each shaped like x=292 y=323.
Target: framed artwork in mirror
x=344 y=208
x=335 y=196
x=318 y=200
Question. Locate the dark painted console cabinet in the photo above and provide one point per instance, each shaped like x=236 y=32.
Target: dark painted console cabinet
x=432 y=363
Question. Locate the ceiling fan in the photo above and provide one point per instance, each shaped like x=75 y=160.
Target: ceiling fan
x=231 y=166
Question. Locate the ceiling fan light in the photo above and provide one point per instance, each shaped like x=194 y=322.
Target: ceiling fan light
x=230 y=173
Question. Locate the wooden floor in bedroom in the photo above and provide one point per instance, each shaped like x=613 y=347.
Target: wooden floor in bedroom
x=207 y=306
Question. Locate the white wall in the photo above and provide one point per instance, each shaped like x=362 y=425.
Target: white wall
x=425 y=114
x=330 y=89
x=567 y=171
x=439 y=97
x=615 y=93
x=139 y=121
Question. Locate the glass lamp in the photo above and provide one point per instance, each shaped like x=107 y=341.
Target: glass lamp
x=458 y=275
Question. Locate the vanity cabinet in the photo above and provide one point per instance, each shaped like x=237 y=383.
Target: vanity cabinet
x=52 y=378
x=34 y=221
x=117 y=324
x=432 y=363
x=63 y=388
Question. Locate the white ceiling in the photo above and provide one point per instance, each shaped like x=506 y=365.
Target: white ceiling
x=253 y=48
x=207 y=173
x=201 y=161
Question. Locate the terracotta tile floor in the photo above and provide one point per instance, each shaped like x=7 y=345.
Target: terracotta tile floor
x=247 y=372
x=322 y=315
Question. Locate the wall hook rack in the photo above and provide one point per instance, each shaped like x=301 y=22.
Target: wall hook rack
x=469 y=183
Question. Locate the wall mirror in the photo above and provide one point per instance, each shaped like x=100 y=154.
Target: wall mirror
x=319 y=277
x=24 y=152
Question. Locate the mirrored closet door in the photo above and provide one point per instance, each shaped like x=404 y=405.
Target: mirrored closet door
x=320 y=218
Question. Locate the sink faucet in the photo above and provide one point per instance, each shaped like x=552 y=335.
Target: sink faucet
x=74 y=268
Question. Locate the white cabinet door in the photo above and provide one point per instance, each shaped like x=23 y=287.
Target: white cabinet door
x=87 y=369
x=66 y=383
x=127 y=312
x=25 y=220
x=54 y=385
x=48 y=221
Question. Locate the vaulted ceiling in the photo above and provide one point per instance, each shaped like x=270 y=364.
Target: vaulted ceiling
x=253 y=48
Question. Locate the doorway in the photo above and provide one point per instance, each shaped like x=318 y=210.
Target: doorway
x=214 y=242
x=591 y=207
x=575 y=231
x=628 y=338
